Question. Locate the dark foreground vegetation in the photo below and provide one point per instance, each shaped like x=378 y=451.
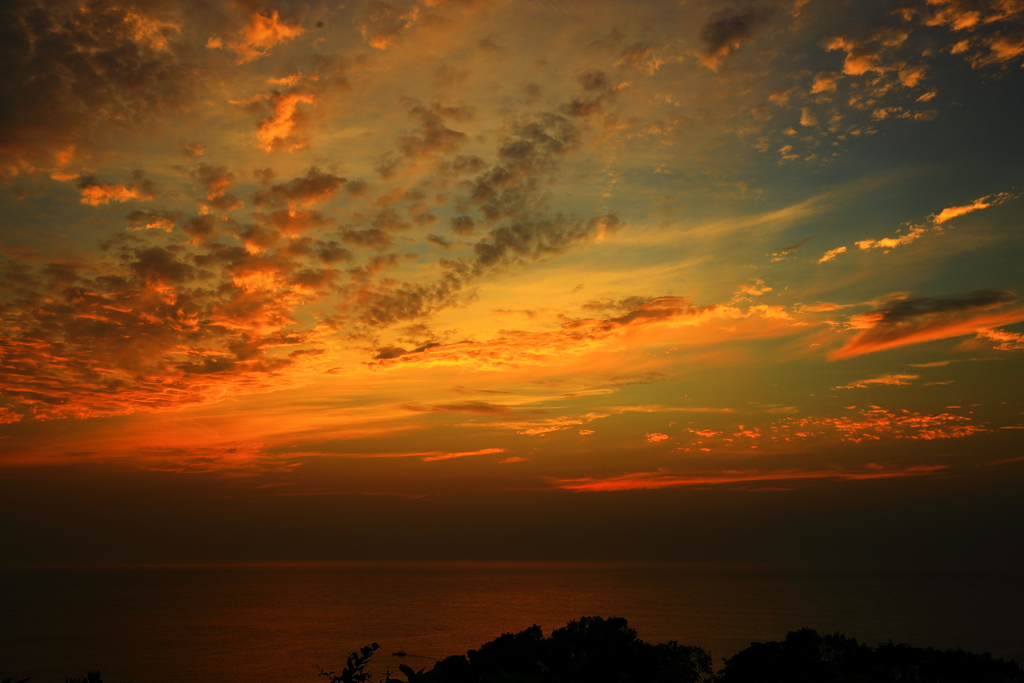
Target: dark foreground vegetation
x=599 y=650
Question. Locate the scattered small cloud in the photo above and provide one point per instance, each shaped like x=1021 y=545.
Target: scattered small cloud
x=831 y=254
x=885 y=380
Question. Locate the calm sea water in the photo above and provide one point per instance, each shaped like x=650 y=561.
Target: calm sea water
x=279 y=622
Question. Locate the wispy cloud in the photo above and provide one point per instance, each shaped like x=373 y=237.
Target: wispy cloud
x=885 y=380
x=831 y=254
x=912 y=321
x=661 y=479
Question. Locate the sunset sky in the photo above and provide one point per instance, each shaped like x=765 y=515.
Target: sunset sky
x=512 y=279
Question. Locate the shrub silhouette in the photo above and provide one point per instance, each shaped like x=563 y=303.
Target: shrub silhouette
x=599 y=650
x=91 y=677
x=807 y=657
x=588 y=650
x=355 y=667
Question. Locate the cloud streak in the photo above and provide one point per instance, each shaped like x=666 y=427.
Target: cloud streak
x=661 y=479
x=913 y=321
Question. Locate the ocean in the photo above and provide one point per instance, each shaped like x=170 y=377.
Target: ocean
x=280 y=622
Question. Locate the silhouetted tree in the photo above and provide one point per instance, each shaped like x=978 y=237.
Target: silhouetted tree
x=91 y=677
x=807 y=657
x=599 y=650
x=589 y=650
x=355 y=665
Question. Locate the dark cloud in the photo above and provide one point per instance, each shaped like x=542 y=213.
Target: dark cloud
x=370 y=237
x=447 y=76
x=406 y=301
x=71 y=67
x=264 y=175
x=357 y=188
x=214 y=182
x=433 y=136
x=330 y=252
x=439 y=241
x=95 y=192
x=463 y=225
x=598 y=90
x=728 y=30
x=200 y=228
x=607 y=43
x=461 y=164
x=158 y=266
x=594 y=80
x=909 y=321
x=314 y=187
x=782 y=253
x=388 y=220
x=478 y=407
x=291 y=222
x=636 y=55
x=508 y=198
x=218 y=304
x=629 y=303
x=530 y=240
x=509 y=187
x=384 y=24
x=389 y=352
x=907 y=310
x=153 y=220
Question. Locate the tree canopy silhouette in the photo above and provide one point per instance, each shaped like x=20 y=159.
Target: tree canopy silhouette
x=807 y=657
x=606 y=650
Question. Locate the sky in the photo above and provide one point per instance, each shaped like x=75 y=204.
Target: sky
x=496 y=279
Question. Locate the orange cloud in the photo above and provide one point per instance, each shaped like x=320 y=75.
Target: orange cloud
x=426 y=456
x=1001 y=49
x=1006 y=341
x=976 y=205
x=912 y=321
x=262 y=32
x=152 y=220
x=449 y=456
x=892 y=242
x=661 y=479
x=95 y=193
x=554 y=424
x=618 y=410
x=831 y=254
x=282 y=128
x=875 y=422
x=890 y=380
x=825 y=82
x=866 y=55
